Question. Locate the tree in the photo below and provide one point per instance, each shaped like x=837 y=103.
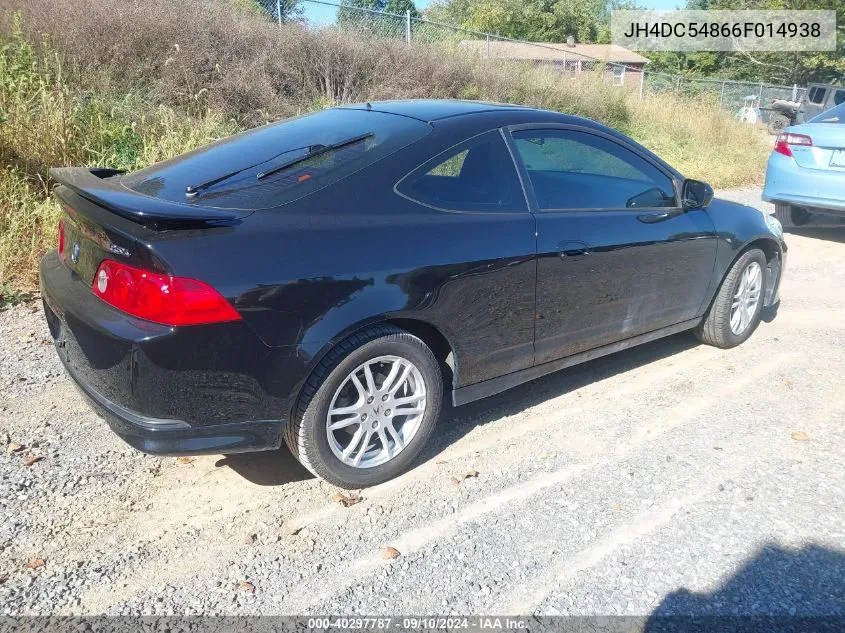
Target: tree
x=792 y=67
x=533 y=20
x=290 y=9
x=363 y=12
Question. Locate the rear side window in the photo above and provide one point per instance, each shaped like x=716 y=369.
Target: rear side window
x=477 y=175
x=839 y=97
x=278 y=163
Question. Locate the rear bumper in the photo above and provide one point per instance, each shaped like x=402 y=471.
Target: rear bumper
x=789 y=183
x=159 y=436
x=165 y=390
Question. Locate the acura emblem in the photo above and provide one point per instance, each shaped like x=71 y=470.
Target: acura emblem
x=74 y=252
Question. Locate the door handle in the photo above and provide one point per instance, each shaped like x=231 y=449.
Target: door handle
x=573 y=249
x=657 y=216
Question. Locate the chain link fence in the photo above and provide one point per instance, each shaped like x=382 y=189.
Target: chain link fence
x=626 y=69
x=732 y=96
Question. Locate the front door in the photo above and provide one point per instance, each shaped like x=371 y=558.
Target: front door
x=617 y=256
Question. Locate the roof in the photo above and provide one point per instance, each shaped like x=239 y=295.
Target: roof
x=552 y=51
x=432 y=109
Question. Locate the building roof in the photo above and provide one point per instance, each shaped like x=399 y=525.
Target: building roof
x=553 y=51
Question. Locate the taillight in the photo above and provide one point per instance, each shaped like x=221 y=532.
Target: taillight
x=62 y=239
x=160 y=298
x=782 y=145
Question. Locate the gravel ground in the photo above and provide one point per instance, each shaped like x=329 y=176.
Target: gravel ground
x=672 y=478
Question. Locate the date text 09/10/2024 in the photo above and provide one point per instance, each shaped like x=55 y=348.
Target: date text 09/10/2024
x=492 y=623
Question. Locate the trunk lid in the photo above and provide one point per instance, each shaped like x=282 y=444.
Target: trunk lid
x=103 y=220
x=828 y=149
x=92 y=233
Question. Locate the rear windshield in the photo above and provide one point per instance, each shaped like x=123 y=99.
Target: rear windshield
x=834 y=115
x=248 y=171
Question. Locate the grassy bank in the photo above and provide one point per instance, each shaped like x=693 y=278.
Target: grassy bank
x=45 y=121
x=125 y=84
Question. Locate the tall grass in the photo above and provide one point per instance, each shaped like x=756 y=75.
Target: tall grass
x=45 y=122
x=124 y=84
x=699 y=139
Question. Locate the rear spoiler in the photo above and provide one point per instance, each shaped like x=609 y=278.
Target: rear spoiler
x=92 y=184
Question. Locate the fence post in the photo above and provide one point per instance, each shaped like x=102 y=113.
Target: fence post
x=760 y=94
x=642 y=82
x=279 y=12
x=488 y=47
x=722 y=95
x=795 y=92
x=408 y=26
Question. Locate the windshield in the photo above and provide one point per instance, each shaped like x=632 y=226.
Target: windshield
x=278 y=163
x=834 y=115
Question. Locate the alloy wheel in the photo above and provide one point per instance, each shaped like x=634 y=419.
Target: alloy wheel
x=376 y=411
x=746 y=297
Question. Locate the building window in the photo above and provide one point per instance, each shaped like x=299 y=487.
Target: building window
x=618 y=75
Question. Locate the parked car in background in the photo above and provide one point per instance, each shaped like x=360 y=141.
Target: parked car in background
x=806 y=171
x=781 y=113
x=821 y=97
x=327 y=280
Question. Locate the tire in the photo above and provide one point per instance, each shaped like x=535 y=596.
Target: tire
x=307 y=434
x=790 y=216
x=716 y=328
x=777 y=123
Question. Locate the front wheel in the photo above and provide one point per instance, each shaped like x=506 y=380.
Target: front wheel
x=368 y=408
x=735 y=312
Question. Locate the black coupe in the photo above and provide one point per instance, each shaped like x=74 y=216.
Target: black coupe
x=326 y=280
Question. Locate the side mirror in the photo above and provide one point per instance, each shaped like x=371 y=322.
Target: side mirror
x=696 y=194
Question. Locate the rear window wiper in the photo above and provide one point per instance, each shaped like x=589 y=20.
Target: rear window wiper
x=320 y=149
x=192 y=190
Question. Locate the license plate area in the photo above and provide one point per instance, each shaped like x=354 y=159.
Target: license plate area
x=838 y=158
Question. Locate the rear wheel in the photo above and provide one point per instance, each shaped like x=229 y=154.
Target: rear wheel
x=735 y=312
x=368 y=409
x=791 y=216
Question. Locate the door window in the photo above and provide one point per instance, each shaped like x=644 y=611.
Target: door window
x=477 y=175
x=817 y=94
x=578 y=170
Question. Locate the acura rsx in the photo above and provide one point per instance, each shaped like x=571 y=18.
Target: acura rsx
x=327 y=280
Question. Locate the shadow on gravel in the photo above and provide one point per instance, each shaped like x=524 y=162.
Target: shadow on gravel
x=778 y=590
x=456 y=422
x=276 y=468
x=830 y=234
x=267 y=468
